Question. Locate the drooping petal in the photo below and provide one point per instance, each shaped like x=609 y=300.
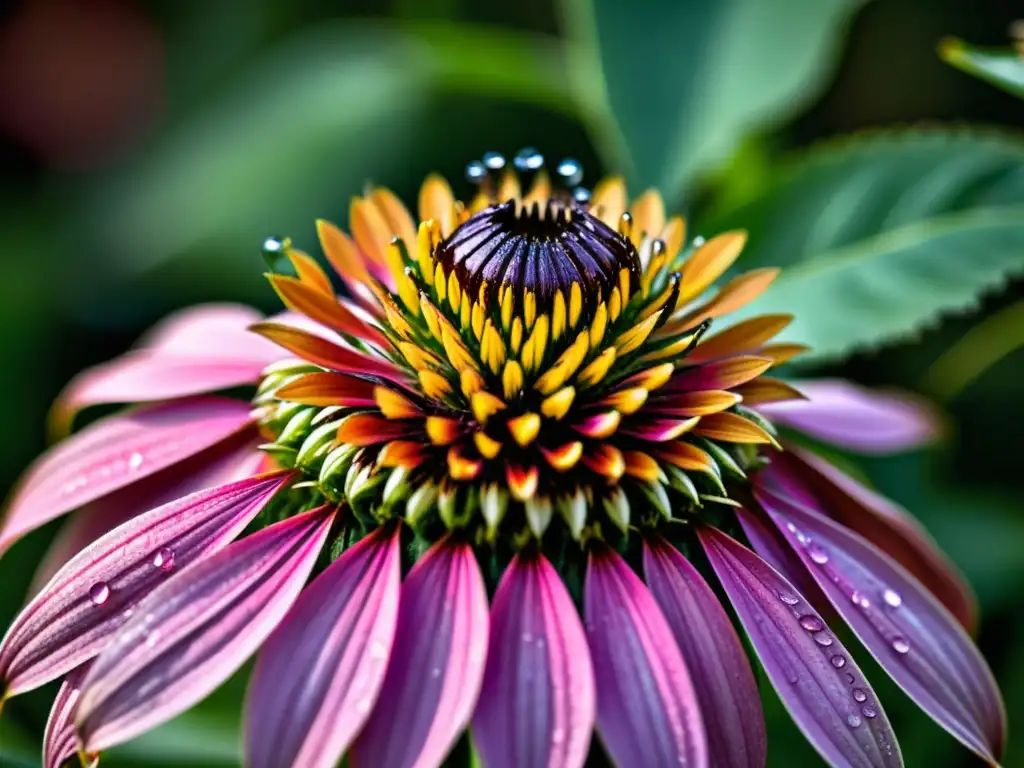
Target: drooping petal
x=199 y=350
x=537 y=705
x=816 y=678
x=319 y=673
x=647 y=710
x=116 y=452
x=725 y=686
x=96 y=593
x=857 y=419
x=227 y=462
x=436 y=665
x=196 y=629
x=813 y=481
x=917 y=641
x=59 y=740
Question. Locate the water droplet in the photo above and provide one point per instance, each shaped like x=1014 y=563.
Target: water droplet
x=823 y=639
x=811 y=623
x=528 y=159
x=838 y=661
x=558 y=736
x=378 y=650
x=869 y=712
x=817 y=553
x=99 y=592
x=495 y=161
x=900 y=645
x=273 y=245
x=854 y=721
x=850 y=678
x=859 y=695
x=527 y=637
x=892 y=598
x=164 y=559
x=476 y=172
x=698 y=241
x=571 y=172
x=435 y=672
x=788 y=599
x=581 y=195
x=135 y=460
x=151 y=638
x=859 y=598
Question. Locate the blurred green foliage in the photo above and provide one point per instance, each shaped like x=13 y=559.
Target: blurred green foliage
x=902 y=247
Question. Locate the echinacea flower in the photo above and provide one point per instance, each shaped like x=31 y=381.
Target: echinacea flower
x=507 y=462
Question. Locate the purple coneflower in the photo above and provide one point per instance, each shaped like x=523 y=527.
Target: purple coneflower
x=486 y=491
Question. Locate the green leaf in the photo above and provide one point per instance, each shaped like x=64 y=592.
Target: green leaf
x=684 y=81
x=880 y=235
x=1002 y=67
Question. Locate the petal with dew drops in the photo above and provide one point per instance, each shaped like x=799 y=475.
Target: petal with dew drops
x=709 y=262
x=199 y=350
x=60 y=743
x=319 y=350
x=227 y=462
x=436 y=665
x=78 y=612
x=857 y=419
x=537 y=705
x=319 y=673
x=116 y=452
x=746 y=336
x=437 y=203
x=326 y=389
x=196 y=629
x=647 y=709
x=911 y=635
x=729 y=699
x=879 y=520
x=816 y=678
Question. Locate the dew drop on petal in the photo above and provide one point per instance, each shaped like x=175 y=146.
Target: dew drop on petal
x=788 y=599
x=557 y=736
x=859 y=695
x=817 y=553
x=435 y=672
x=892 y=598
x=164 y=559
x=527 y=637
x=900 y=645
x=869 y=712
x=811 y=623
x=850 y=678
x=823 y=640
x=135 y=461
x=838 y=661
x=698 y=241
x=99 y=592
x=854 y=721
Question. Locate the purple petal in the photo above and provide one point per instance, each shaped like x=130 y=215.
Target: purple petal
x=537 y=704
x=226 y=462
x=319 y=673
x=436 y=666
x=116 y=452
x=913 y=637
x=195 y=630
x=77 y=613
x=816 y=678
x=725 y=686
x=647 y=710
x=815 y=483
x=843 y=414
x=59 y=740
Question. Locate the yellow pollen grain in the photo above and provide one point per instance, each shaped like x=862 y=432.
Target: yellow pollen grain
x=635 y=336
x=454 y=292
x=565 y=457
x=434 y=385
x=516 y=336
x=624 y=282
x=440 y=430
x=627 y=401
x=470 y=381
x=575 y=304
x=430 y=316
x=485 y=405
x=533 y=350
x=558 y=312
x=488 y=447
x=440 y=283
x=524 y=428
x=507 y=305
x=614 y=304
x=418 y=358
x=529 y=308
x=557 y=405
x=512 y=379
x=598 y=325
x=425 y=248
x=464 y=311
x=477 y=320
x=598 y=368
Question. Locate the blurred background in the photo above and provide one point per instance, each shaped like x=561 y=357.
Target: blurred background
x=147 y=148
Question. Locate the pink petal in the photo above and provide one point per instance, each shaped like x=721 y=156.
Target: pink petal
x=226 y=462
x=319 y=673
x=857 y=419
x=59 y=740
x=537 y=705
x=816 y=678
x=116 y=452
x=815 y=483
x=198 y=350
x=436 y=666
x=195 y=630
x=914 y=638
x=94 y=595
x=722 y=678
x=647 y=710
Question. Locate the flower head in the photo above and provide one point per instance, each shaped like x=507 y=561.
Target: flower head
x=510 y=457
